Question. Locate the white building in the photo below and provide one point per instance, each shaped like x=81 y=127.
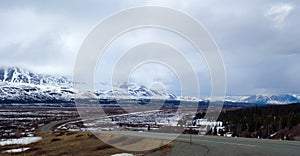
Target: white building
x=218 y=125
x=205 y=122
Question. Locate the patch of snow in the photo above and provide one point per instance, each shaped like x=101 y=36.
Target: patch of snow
x=122 y=154
x=17 y=150
x=19 y=141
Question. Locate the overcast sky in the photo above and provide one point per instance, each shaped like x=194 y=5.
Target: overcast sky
x=258 y=40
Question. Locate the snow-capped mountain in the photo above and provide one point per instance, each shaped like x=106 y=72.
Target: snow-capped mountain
x=190 y=98
x=133 y=91
x=31 y=93
x=20 y=75
x=19 y=85
x=272 y=99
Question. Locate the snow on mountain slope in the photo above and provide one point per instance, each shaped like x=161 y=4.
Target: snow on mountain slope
x=31 y=93
x=20 y=75
x=23 y=86
x=18 y=85
x=133 y=91
x=272 y=99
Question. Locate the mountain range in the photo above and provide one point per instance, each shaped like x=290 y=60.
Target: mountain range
x=18 y=85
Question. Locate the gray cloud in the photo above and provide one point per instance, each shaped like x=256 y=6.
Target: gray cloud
x=258 y=39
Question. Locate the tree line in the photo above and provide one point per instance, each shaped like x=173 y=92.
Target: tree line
x=273 y=121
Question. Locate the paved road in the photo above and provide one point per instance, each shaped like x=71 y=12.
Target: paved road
x=48 y=127
x=211 y=145
x=244 y=146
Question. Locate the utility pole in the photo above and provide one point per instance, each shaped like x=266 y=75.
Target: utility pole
x=190 y=135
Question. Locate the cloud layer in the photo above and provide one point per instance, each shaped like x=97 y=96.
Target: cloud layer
x=258 y=39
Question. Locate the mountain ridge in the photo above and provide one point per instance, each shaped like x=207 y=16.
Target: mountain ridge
x=21 y=85
x=22 y=75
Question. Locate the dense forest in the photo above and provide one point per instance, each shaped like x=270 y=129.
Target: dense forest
x=276 y=121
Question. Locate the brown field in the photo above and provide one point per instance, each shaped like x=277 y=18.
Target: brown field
x=72 y=143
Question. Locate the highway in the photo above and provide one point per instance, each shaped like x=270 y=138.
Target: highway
x=213 y=145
